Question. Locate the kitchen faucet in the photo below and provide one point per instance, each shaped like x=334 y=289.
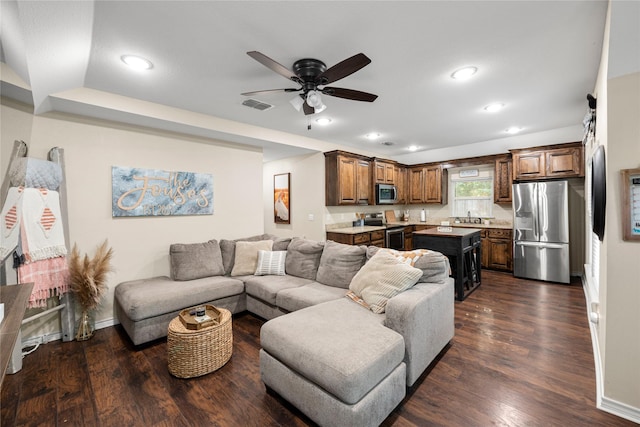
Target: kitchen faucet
x=469 y=217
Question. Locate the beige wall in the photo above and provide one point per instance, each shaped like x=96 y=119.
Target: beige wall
x=617 y=333
x=620 y=280
x=141 y=245
x=306 y=193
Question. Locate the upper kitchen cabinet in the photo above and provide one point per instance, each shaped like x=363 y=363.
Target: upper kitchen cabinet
x=502 y=180
x=427 y=184
x=554 y=161
x=347 y=179
x=401 y=184
x=436 y=184
x=384 y=172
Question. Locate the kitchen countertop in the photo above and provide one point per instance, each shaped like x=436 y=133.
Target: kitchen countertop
x=369 y=228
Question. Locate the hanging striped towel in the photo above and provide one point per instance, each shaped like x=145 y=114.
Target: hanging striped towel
x=10 y=221
x=50 y=277
x=44 y=235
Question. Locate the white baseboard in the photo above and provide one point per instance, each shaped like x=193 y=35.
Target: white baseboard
x=46 y=338
x=620 y=409
x=602 y=402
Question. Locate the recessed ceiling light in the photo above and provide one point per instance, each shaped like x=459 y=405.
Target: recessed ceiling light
x=495 y=107
x=464 y=73
x=513 y=130
x=136 y=62
x=412 y=148
x=372 y=135
x=323 y=121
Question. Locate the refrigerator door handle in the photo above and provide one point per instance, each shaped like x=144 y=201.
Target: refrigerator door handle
x=540 y=245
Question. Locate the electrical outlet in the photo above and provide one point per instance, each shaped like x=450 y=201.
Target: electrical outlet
x=311 y=217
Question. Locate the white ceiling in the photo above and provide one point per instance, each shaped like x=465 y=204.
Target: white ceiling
x=540 y=58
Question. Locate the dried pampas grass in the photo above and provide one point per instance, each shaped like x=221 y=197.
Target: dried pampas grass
x=88 y=276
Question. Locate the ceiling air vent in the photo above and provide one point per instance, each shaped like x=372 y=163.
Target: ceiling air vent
x=258 y=105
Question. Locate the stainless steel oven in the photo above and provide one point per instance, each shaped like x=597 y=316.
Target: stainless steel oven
x=394 y=238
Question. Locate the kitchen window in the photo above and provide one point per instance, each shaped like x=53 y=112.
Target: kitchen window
x=471 y=191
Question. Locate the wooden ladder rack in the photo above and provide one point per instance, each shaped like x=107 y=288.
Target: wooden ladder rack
x=65 y=306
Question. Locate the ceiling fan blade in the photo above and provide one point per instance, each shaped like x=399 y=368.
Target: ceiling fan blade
x=354 y=95
x=273 y=65
x=343 y=69
x=260 y=92
x=308 y=109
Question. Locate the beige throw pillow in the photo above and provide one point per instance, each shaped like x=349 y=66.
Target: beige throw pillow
x=382 y=278
x=246 y=259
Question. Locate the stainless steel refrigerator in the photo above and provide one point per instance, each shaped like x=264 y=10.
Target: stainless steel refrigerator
x=541 y=231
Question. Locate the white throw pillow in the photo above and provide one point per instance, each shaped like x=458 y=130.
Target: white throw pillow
x=271 y=263
x=381 y=278
x=247 y=256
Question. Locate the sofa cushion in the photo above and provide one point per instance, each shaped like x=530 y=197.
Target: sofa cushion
x=294 y=299
x=246 y=259
x=434 y=265
x=266 y=288
x=281 y=243
x=195 y=260
x=145 y=298
x=383 y=277
x=303 y=258
x=339 y=263
x=338 y=345
x=270 y=263
x=228 y=249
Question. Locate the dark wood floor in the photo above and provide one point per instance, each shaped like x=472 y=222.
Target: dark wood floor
x=521 y=356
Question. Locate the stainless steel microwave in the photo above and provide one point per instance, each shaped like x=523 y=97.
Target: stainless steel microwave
x=386 y=194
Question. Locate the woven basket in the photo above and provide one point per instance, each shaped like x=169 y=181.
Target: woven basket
x=192 y=353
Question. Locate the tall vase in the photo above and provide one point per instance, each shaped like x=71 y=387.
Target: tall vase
x=85 y=327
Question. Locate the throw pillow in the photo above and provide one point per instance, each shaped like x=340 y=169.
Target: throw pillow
x=434 y=265
x=271 y=263
x=303 y=258
x=339 y=263
x=246 y=259
x=382 y=278
x=195 y=260
x=228 y=248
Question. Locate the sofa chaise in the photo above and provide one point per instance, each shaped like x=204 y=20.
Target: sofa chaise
x=337 y=348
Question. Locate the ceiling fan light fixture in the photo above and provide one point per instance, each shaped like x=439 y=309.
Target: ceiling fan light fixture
x=319 y=109
x=314 y=100
x=463 y=74
x=297 y=102
x=137 y=62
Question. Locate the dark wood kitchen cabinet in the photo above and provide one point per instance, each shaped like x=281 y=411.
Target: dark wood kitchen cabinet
x=427 y=184
x=503 y=180
x=497 y=249
x=347 y=179
x=557 y=161
x=401 y=184
x=384 y=172
x=368 y=238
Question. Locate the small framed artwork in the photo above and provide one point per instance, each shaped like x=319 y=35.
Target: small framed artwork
x=631 y=204
x=282 y=198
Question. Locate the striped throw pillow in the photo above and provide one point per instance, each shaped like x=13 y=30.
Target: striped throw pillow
x=271 y=263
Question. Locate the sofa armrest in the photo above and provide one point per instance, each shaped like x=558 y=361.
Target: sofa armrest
x=424 y=316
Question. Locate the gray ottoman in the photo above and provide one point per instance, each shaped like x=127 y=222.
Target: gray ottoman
x=336 y=362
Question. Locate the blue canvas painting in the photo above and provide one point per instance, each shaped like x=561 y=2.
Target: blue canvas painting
x=150 y=192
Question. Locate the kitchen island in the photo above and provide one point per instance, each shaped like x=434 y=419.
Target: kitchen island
x=462 y=247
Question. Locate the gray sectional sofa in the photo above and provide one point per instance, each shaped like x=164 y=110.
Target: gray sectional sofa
x=341 y=361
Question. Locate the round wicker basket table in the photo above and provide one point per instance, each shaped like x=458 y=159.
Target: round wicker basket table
x=192 y=353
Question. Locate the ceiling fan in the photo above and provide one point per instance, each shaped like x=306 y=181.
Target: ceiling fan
x=310 y=74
